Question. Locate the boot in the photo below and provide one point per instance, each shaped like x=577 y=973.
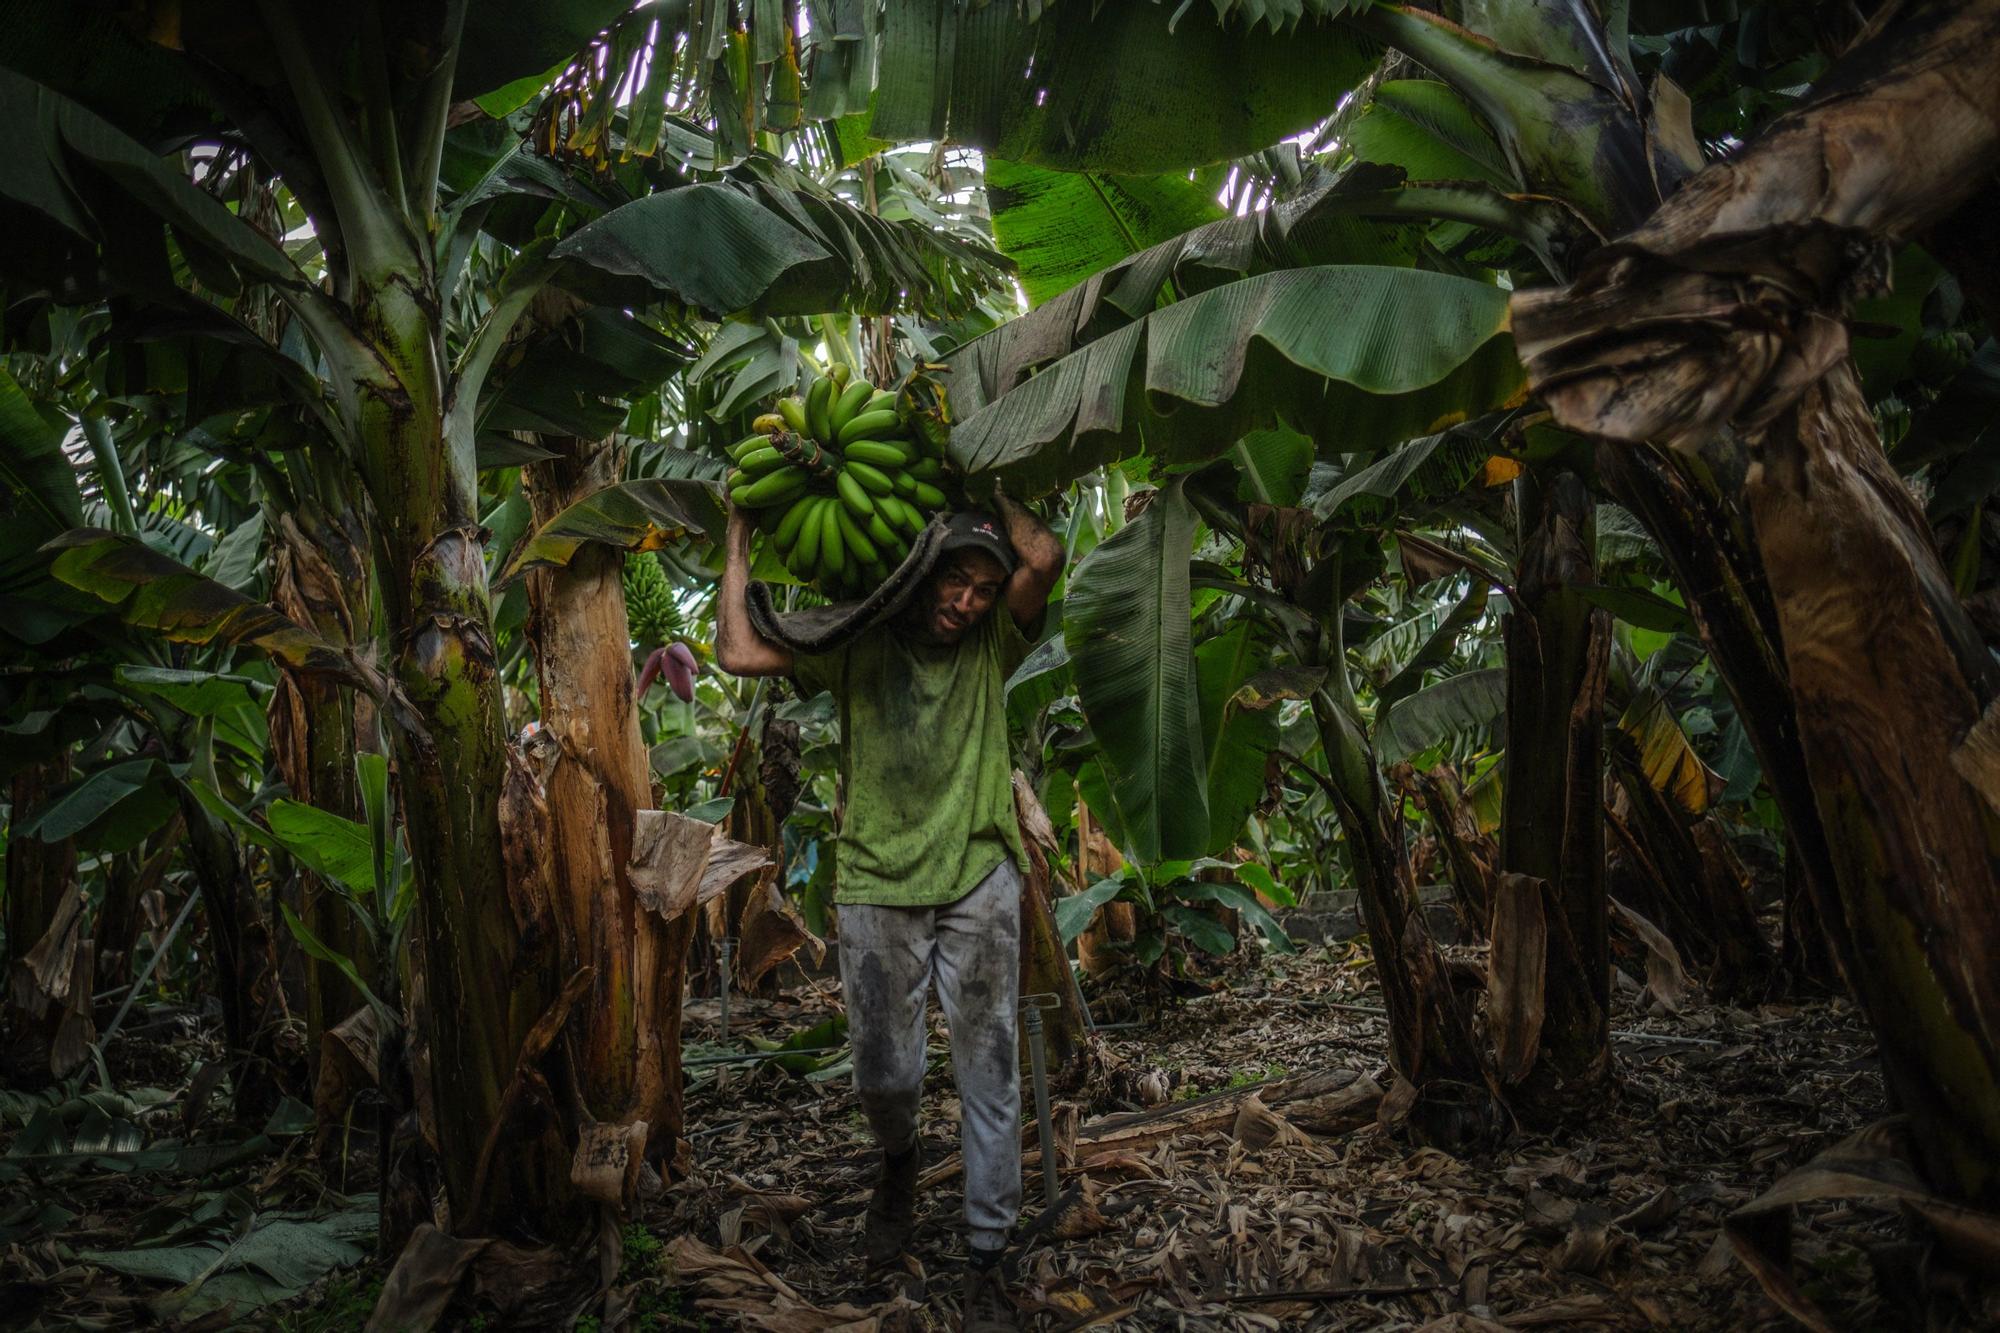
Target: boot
x=892 y=1209
x=987 y=1307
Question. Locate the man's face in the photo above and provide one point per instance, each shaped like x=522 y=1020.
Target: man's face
x=960 y=593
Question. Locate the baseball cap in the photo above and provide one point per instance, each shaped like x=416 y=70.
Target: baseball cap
x=977 y=530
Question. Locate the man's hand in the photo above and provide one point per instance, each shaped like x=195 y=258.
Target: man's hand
x=1041 y=555
x=739 y=649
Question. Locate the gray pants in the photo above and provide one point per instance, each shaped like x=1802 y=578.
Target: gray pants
x=888 y=956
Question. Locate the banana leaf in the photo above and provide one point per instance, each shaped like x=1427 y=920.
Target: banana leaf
x=1411 y=353
x=1236 y=739
x=1455 y=706
x=632 y=515
x=1127 y=621
x=730 y=247
x=155 y=592
x=1132 y=88
x=1060 y=227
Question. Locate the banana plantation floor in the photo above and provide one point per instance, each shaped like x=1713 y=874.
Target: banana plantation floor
x=1224 y=1169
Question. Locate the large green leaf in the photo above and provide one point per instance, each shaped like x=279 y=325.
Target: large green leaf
x=507 y=40
x=1127 y=621
x=1237 y=740
x=40 y=498
x=1427 y=469
x=731 y=247
x=1074 y=911
x=155 y=592
x=1131 y=87
x=84 y=154
x=1454 y=706
x=1411 y=353
x=335 y=846
x=196 y=693
x=1061 y=227
x=1428 y=130
x=110 y=810
x=1321 y=226
x=633 y=515
x=1436 y=649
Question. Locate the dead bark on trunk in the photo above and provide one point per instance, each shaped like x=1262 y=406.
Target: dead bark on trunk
x=319 y=572
x=1693 y=885
x=1724 y=313
x=1470 y=854
x=1694 y=506
x=1552 y=817
x=1107 y=941
x=626 y=1033
x=1045 y=968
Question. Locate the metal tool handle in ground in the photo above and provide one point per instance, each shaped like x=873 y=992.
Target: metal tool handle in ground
x=1031 y=1014
x=725 y=955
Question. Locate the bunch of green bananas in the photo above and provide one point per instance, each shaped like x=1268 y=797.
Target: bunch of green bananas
x=651 y=618
x=840 y=486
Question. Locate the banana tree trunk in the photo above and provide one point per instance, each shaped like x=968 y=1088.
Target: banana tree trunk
x=243 y=956
x=1430 y=1039
x=39 y=876
x=485 y=922
x=628 y=1033
x=1735 y=290
x=1693 y=505
x=1552 y=808
x=320 y=579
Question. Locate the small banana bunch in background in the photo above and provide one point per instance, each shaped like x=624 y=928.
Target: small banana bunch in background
x=840 y=485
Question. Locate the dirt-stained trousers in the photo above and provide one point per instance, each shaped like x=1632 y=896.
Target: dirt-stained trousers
x=888 y=957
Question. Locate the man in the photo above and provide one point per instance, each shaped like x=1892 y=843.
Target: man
x=929 y=858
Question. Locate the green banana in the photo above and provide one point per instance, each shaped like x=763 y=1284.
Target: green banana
x=818 y=398
x=838 y=373
x=759 y=461
x=927 y=469
x=881 y=401
x=867 y=426
x=806 y=550
x=832 y=556
x=787 y=535
x=749 y=444
x=793 y=413
x=858 y=546
x=929 y=496
x=848 y=404
x=876 y=480
x=852 y=496
x=775 y=486
x=902 y=514
x=906 y=485
x=879 y=530
x=650 y=614
x=878 y=453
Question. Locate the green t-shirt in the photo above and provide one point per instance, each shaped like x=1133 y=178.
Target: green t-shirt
x=924 y=760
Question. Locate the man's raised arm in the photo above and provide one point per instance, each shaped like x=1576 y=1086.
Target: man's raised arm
x=1041 y=560
x=739 y=649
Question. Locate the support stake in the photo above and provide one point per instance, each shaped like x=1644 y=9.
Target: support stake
x=1031 y=1009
